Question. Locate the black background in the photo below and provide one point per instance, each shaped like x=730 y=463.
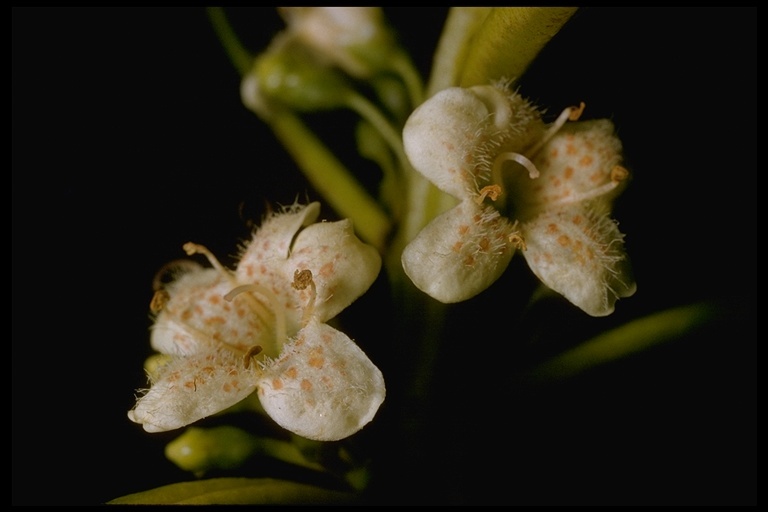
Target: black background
x=129 y=139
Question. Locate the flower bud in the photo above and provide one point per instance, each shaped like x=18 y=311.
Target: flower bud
x=287 y=74
x=356 y=39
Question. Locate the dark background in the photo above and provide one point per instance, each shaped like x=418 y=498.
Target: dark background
x=129 y=139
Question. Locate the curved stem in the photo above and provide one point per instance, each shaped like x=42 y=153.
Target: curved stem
x=373 y=115
x=326 y=173
x=403 y=66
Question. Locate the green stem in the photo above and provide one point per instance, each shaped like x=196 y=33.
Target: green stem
x=241 y=58
x=324 y=171
x=403 y=66
x=331 y=178
x=373 y=115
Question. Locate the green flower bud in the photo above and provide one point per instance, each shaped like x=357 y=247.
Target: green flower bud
x=288 y=74
x=200 y=450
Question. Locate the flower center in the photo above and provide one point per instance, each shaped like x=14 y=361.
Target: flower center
x=261 y=301
x=496 y=191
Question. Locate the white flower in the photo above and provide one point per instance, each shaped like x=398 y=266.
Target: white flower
x=262 y=327
x=524 y=185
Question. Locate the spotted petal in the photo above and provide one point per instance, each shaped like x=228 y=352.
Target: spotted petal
x=197 y=318
x=460 y=253
x=343 y=267
x=323 y=386
x=578 y=162
x=190 y=388
x=439 y=137
x=580 y=255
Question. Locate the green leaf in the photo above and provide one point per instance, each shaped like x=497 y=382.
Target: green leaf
x=508 y=40
x=236 y=491
x=461 y=26
x=623 y=341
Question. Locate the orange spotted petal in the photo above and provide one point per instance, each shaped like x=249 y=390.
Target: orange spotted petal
x=580 y=255
x=460 y=253
x=190 y=388
x=322 y=386
x=342 y=266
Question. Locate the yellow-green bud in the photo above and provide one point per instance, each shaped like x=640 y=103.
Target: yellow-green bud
x=290 y=76
x=199 y=450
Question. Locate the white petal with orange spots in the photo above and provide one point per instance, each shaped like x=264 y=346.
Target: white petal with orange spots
x=581 y=256
x=460 y=253
x=190 y=388
x=439 y=137
x=323 y=386
x=578 y=159
x=343 y=267
x=197 y=318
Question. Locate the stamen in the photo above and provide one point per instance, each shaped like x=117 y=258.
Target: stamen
x=492 y=191
x=518 y=241
x=252 y=352
x=577 y=111
x=618 y=174
x=159 y=300
x=281 y=329
x=192 y=248
x=302 y=279
x=568 y=114
x=516 y=238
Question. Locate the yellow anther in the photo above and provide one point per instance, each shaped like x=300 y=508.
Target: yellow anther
x=492 y=191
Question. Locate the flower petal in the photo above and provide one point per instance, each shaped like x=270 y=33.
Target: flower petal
x=323 y=386
x=343 y=267
x=263 y=259
x=460 y=253
x=274 y=238
x=576 y=164
x=439 y=137
x=191 y=388
x=197 y=318
x=580 y=255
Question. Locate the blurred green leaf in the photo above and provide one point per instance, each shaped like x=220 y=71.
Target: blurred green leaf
x=236 y=491
x=508 y=40
x=630 y=338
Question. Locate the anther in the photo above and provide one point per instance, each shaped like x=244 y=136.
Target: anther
x=492 y=191
x=576 y=112
x=302 y=279
x=568 y=114
x=252 y=352
x=516 y=239
x=619 y=173
x=159 y=300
